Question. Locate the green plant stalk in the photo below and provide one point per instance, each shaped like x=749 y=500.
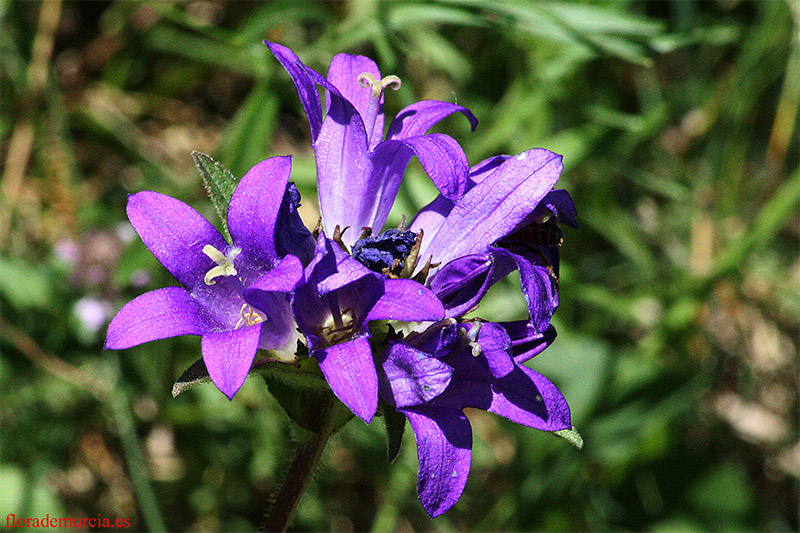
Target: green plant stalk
x=307 y=455
x=306 y=458
x=142 y=486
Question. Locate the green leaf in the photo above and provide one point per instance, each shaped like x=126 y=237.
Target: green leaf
x=220 y=184
x=194 y=375
x=572 y=436
x=24 y=285
x=247 y=136
x=395 y=425
x=303 y=393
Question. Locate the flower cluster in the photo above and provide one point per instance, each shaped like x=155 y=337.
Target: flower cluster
x=272 y=284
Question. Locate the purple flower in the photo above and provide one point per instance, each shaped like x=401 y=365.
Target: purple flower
x=492 y=230
x=431 y=377
x=214 y=274
x=333 y=300
x=358 y=172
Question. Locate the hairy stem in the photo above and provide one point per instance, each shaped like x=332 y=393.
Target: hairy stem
x=306 y=458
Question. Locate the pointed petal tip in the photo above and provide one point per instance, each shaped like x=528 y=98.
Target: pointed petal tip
x=367 y=419
x=473 y=120
x=230 y=394
x=350 y=372
x=436 y=509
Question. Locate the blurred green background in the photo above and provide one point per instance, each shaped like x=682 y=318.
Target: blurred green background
x=677 y=348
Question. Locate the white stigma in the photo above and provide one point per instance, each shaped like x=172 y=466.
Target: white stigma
x=368 y=80
x=224 y=263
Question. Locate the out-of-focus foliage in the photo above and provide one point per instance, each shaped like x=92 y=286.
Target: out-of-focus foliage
x=679 y=315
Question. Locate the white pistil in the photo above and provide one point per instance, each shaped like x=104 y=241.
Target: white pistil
x=249 y=317
x=368 y=80
x=374 y=106
x=224 y=263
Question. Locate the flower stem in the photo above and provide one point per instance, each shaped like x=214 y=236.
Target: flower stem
x=307 y=455
x=305 y=461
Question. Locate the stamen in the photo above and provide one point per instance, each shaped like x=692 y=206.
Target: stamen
x=413 y=255
x=368 y=80
x=224 y=263
x=471 y=338
x=317 y=229
x=422 y=275
x=337 y=238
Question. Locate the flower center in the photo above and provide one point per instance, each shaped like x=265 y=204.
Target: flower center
x=339 y=326
x=224 y=262
x=249 y=317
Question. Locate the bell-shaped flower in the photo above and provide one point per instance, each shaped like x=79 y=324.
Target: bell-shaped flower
x=504 y=222
x=334 y=299
x=431 y=377
x=358 y=171
x=264 y=226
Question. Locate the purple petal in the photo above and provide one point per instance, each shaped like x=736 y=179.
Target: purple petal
x=486 y=168
x=350 y=372
x=332 y=268
x=343 y=73
x=559 y=202
x=495 y=348
x=526 y=341
x=269 y=295
x=444 y=447
x=159 y=314
x=282 y=278
x=254 y=208
x=176 y=234
x=441 y=157
x=438 y=339
x=278 y=331
x=405 y=299
x=528 y=398
x=291 y=235
x=495 y=206
x=418 y=118
x=538 y=288
x=228 y=356
x=411 y=376
x=346 y=193
x=334 y=283
x=461 y=283
x=429 y=219
x=388 y=163
x=304 y=82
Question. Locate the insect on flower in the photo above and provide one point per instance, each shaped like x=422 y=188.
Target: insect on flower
x=544 y=233
x=542 y=237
